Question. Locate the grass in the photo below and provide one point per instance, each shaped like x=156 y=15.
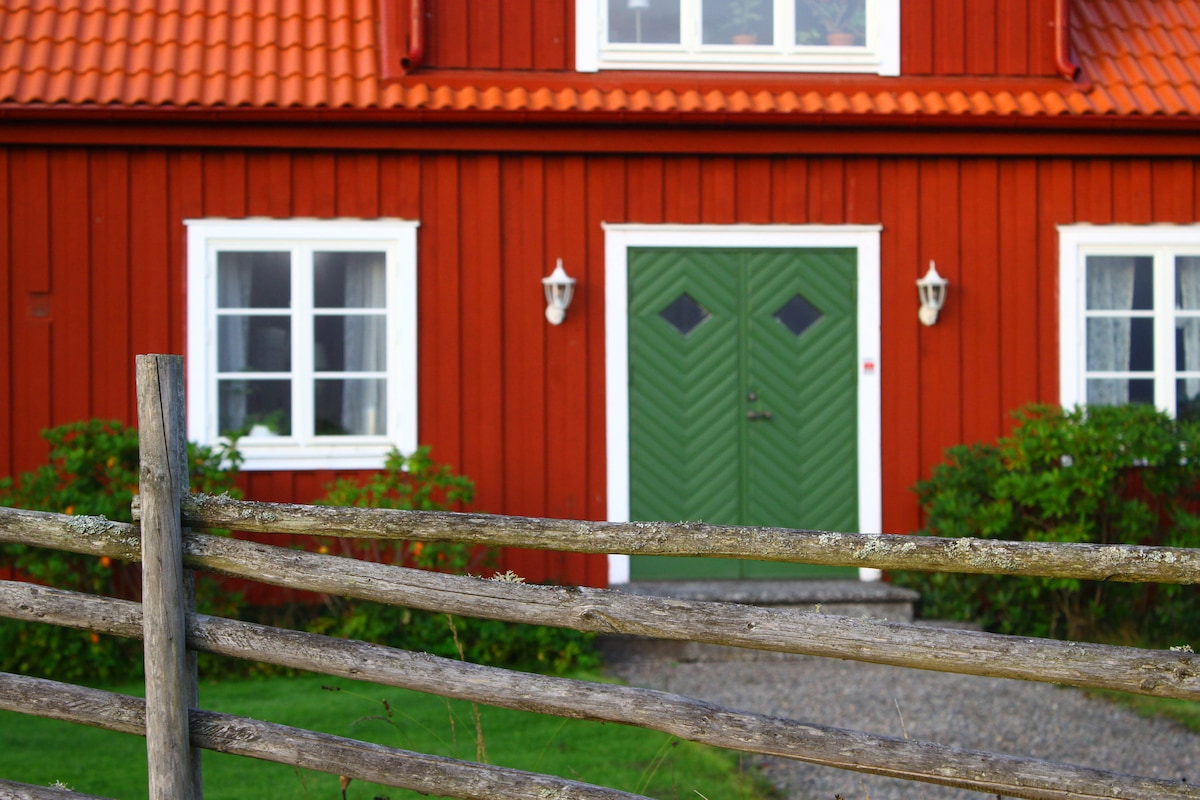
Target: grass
x=40 y=751
x=1185 y=712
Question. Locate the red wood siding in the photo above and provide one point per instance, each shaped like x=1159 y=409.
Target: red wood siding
x=938 y=37
x=93 y=245
x=977 y=37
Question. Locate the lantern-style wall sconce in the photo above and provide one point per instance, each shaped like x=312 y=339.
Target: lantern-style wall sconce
x=559 y=288
x=931 y=290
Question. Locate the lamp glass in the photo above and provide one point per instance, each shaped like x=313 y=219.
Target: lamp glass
x=559 y=288
x=931 y=291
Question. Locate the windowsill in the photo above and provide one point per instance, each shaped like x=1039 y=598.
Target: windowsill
x=750 y=58
x=262 y=456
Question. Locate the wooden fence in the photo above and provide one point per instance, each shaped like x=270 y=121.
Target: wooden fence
x=173 y=725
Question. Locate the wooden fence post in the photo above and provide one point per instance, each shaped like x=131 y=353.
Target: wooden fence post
x=170 y=682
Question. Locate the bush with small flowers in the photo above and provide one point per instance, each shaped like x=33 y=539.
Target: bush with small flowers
x=92 y=468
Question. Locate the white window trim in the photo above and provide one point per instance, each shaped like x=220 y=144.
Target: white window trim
x=1075 y=244
x=881 y=56
x=618 y=238
x=205 y=237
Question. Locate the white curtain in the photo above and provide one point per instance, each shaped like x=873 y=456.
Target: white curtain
x=1187 y=282
x=364 y=344
x=234 y=281
x=1109 y=287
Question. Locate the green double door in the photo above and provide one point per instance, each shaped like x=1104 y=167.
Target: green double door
x=742 y=397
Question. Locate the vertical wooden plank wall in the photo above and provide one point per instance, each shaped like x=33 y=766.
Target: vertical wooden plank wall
x=516 y=404
x=9 y=422
x=31 y=313
x=902 y=432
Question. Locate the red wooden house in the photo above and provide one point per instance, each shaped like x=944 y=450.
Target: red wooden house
x=341 y=212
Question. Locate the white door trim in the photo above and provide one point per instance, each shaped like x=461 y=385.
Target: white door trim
x=618 y=238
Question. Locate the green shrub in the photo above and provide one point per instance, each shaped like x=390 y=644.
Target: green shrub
x=1106 y=475
x=92 y=468
x=417 y=482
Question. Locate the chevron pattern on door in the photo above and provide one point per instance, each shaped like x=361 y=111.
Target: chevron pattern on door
x=738 y=419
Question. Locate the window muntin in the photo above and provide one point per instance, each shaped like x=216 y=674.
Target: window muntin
x=1130 y=327
x=753 y=35
x=302 y=340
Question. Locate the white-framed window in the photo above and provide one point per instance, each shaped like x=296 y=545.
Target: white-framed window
x=739 y=35
x=302 y=339
x=1129 y=316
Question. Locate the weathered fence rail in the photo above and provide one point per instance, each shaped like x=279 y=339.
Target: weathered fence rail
x=1152 y=672
x=881 y=551
x=1161 y=673
x=684 y=717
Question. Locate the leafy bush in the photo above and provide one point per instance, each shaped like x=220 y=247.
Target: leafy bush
x=417 y=482
x=93 y=469
x=1106 y=475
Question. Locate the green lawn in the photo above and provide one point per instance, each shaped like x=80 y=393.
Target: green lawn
x=40 y=751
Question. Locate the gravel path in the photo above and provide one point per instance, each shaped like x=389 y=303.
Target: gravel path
x=1005 y=716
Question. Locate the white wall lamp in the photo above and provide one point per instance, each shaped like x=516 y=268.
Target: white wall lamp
x=560 y=289
x=931 y=290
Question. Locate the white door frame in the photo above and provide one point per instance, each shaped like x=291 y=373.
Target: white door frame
x=618 y=238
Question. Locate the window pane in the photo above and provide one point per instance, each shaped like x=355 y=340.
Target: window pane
x=1120 y=344
x=1187 y=283
x=255 y=408
x=738 y=21
x=1187 y=398
x=351 y=407
x=254 y=344
x=254 y=280
x=839 y=23
x=349 y=280
x=1187 y=344
x=1120 y=283
x=350 y=344
x=1118 y=391
x=643 y=21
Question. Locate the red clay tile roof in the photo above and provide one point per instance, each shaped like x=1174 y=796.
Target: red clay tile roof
x=1142 y=58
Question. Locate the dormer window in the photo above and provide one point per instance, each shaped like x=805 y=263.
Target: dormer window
x=739 y=35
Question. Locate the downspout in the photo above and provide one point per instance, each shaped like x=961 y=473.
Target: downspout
x=1062 y=41
x=416 y=36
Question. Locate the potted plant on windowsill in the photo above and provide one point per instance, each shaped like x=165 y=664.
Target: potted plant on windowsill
x=271 y=423
x=842 y=22
x=743 y=14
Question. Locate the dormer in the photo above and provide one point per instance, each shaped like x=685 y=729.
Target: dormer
x=910 y=38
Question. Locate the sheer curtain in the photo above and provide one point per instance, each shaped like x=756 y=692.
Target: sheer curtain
x=234 y=282
x=1187 y=283
x=1109 y=287
x=364 y=343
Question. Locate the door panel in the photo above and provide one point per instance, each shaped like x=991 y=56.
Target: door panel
x=742 y=396
x=684 y=415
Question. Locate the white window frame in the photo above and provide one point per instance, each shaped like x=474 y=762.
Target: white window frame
x=1160 y=242
x=880 y=56
x=619 y=238
x=302 y=450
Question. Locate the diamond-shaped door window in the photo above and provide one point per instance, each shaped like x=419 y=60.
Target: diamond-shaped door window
x=684 y=313
x=798 y=315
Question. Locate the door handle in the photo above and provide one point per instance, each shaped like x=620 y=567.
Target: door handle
x=757 y=415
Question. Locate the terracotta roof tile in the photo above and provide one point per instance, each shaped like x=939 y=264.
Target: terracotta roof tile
x=1142 y=57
